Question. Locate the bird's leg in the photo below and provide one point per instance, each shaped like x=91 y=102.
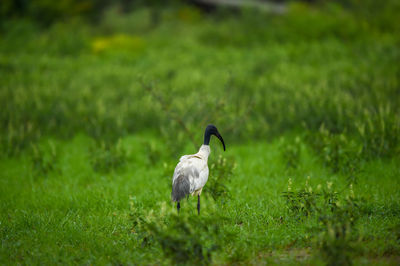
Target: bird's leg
x=178 y=206
x=198 y=204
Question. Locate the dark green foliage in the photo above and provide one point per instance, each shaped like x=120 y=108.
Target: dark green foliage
x=336 y=213
x=380 y=135
x=301 y=203
x=291 y=153
x=44 y=159
x=185 y=239
x=17 y=138
x=188 y=239
x=338 y=152
x=306 y=201
x=221 y=173
x=153 y=153
x=47 y=12
x=335 y=241
x=106 y=157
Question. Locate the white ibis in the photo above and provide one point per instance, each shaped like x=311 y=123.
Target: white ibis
x=191 y=173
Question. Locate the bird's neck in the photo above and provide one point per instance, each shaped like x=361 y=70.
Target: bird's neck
x=204 y=151
x=207 y=136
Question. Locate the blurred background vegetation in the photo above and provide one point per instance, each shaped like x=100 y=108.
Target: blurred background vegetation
x=319 y=75
x=111 y=68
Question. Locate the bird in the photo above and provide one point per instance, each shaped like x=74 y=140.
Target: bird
x=191 y=173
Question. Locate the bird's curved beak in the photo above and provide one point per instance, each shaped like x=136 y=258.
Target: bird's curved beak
x=221 y=139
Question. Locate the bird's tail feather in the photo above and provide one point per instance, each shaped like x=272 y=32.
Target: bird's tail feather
x=180 y=188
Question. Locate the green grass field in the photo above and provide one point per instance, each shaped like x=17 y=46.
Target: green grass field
x=94 y=118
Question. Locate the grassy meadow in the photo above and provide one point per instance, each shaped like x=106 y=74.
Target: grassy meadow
x=96 y=114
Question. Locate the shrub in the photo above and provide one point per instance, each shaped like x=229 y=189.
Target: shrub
x=339 y=152
x=336 y=214
x=185 y=239
x=221 y=172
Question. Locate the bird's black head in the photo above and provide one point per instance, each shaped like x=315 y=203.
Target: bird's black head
x=212 y=130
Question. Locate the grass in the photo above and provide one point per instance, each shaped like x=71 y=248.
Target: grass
x=82 y=216
x=93 y=125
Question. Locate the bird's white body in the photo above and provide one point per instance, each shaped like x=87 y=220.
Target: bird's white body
x=192 y=169
x=191 y=173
